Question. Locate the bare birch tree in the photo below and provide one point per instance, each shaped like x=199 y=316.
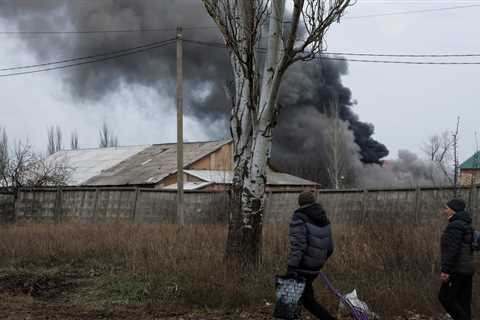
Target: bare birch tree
x=335 y=148
x=107 y=137
x=51 y=140
x=54 y=142
x=74 y=140
x=455 y=157
x=3 y=158
x=255 y=94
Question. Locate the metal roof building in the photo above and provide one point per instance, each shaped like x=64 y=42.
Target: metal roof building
x=470 y=170
x=208 y=166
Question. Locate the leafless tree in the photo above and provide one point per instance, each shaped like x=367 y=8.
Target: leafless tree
x=439 y=151
x=25 y=168
x=335 y=148
x=51 y=140
x=74 y=140
x=255 y=94
x=58 y=139
x=455 y=157
x=3 y=158
x=107 y=137
x=54 y=135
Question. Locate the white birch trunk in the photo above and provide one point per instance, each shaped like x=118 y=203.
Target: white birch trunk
x=253 y=195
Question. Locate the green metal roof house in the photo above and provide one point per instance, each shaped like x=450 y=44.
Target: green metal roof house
x=470 y=170
x=472 y=163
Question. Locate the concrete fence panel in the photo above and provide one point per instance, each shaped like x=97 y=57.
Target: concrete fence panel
x=157 y=206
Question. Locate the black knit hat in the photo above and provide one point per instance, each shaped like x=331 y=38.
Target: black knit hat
x=456 y=205
x=306 y=197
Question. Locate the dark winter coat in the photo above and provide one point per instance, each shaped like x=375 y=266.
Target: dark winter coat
x=456 y=245
x=311 y=241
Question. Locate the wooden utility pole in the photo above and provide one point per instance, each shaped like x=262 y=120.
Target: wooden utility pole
x=179 y=89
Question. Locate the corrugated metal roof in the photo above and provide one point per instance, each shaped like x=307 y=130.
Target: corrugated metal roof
x=87 y=163
x=149 y=164
x=273 y=177
x=137 y=165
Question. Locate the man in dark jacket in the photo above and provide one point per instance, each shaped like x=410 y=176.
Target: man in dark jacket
x=457 y=261
x=311 y=245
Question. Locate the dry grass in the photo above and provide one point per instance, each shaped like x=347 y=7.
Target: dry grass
x=393 y=266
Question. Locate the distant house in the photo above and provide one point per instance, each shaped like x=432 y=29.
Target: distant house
x=470 y=170
x=207 y=166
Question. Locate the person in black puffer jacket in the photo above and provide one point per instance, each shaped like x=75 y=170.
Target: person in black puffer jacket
x=311 y=244
x=457 y=267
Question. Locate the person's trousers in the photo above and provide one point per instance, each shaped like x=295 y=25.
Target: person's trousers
x=456 y=296
x=310 y=303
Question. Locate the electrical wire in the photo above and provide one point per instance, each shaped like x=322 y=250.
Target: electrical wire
x=38 y=32
x=464 y=55
x=146 y=47
x=326 y=57
x=410 y=12
x=114 y=56
x=400 y=62
x=153 y=44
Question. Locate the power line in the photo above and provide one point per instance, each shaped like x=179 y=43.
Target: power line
x=46 y=32
x=113 y=56
x=153 y=44
x=400 y=62
x=457 y=55
x=326 y=57
x=142 y=48
x=39 y=32
x=398 y=13
x=464 y=55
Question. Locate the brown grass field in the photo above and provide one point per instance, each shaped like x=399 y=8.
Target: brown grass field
x=119 y=270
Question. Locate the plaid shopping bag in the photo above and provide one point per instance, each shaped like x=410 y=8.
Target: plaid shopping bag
x=288 y=294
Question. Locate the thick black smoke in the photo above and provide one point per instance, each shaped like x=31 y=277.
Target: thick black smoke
x=305 y=95
x=204 y=67
x=308 y=97
x=315 y=86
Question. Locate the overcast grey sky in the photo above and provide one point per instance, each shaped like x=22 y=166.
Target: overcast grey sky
x=406 y=103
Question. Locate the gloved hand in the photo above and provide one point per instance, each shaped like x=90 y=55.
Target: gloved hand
x=291 y=272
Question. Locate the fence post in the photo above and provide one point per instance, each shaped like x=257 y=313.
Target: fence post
x=474 y=208
x=134 y=213
x=470 y=198
x=364 y=206
x=14 y=208
x=417 y=202
x=95 y=205
x=58 y=205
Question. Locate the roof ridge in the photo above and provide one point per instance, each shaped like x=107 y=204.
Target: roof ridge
x=143 y=145
x=107 y=148
x=192 y=142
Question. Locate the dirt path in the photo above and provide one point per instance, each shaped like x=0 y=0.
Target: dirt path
x=72 y=295
x=16 y=308
x=77 y=295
